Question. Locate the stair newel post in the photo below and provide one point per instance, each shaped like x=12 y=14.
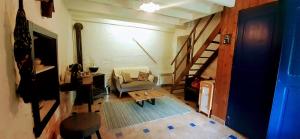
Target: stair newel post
x=193 y=44
x=175 y=70
x=189 y=50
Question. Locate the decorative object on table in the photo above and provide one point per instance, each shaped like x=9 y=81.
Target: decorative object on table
x=47 y=8
x=129 y=113
x=37 y=61
x=93 y=69
x=75 y=70
x=22 y=52
x=38 y=64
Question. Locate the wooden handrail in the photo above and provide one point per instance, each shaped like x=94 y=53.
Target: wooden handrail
x=193 y=30
x=205 y=26
x=186 y=41
x=184 y=57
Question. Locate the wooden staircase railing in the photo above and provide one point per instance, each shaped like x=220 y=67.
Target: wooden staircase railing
x=190 y=57
x=192 y=35
x=189 y=43
x=199 y=52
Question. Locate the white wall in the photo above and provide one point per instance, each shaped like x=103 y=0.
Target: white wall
x=15 y=116
x=111 y=45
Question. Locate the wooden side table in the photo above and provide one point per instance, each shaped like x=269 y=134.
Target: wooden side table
x=87 y=82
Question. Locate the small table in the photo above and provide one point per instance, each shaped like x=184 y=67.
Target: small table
x=145 y=95
x=87 y=81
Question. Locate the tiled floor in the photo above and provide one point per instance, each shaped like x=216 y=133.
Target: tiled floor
x=189 y=126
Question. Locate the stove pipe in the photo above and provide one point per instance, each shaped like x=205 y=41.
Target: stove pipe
x=78 y=27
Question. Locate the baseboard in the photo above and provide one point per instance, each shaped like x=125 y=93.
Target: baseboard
x=218 y=119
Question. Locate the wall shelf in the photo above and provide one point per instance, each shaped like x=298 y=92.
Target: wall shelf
x=45 y=86
x=43 y=69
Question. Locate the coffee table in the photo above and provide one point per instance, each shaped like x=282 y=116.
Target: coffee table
x=145 y=95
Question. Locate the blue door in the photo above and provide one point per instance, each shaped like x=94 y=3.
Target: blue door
x=284 y=122
x=254 y=71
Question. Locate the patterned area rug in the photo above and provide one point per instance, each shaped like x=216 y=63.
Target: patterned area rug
x=123 y=114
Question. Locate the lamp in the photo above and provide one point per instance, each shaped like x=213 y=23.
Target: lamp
x=150 y=7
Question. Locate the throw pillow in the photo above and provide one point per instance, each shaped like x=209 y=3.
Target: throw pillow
x=151 y=78
x=143 y=76
x=196 y=83
x=126 y=77
x=120 y=78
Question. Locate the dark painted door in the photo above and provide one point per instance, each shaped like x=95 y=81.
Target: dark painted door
x=284 y=121
x=254 y=71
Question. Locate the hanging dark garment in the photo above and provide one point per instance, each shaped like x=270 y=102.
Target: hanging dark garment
x=22 y=52
x=47 y=8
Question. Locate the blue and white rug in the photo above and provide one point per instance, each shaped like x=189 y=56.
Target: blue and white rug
x=123 y=114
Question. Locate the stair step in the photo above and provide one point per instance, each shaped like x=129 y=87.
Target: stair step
x=198 y=63
x=194 y=69
x=211 y=50
x=215 y=42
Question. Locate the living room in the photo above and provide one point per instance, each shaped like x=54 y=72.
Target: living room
x=174 y=70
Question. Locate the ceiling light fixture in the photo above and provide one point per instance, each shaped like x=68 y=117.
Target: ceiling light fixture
x=150 y=7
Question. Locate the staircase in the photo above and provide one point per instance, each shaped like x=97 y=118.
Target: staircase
x=190 y=62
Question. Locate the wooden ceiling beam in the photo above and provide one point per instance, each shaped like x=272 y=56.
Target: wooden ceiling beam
x=194 y=6
x=227 y=3
x=114 y=20
x=93 y=7
x=131 y=4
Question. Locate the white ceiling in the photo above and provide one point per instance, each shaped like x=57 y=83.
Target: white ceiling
x=172 y=13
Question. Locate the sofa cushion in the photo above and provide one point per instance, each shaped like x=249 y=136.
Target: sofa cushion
x=151 y=78
x=120 y=78
x=135 y=85
x=126 y=77
x=133 y=71
x=143 y=76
